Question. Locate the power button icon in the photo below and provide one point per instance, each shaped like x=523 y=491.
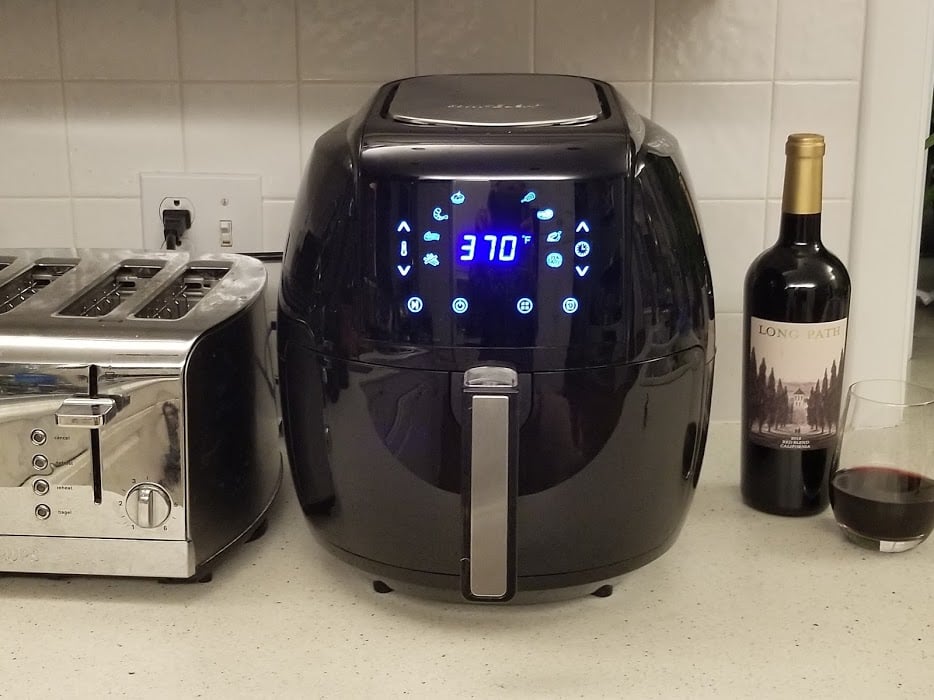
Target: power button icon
x=459 y=305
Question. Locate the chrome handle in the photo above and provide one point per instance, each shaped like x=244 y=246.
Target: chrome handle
x=84 y=412
x=489 y=573
x=144 y=507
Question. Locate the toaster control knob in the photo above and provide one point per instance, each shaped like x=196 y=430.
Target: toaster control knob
x=148 y=505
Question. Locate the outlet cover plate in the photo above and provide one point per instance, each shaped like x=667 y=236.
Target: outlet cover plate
x=214 y=198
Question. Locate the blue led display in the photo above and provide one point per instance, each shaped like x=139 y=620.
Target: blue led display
x=491 y=247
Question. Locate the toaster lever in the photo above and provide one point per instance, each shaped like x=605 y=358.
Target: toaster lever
x=85 y=412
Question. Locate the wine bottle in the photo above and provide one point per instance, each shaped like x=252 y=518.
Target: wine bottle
x=796 y=301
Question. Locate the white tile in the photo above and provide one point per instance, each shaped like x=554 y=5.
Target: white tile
x=733 y=236
x=728 y=370
x=108 y=223
x=723 y=130
x=474 y=36
x=722 y=40
x=28 y=39
x=607 y=39
x=820 y=40
x=34 y=160
x=237 y=40
x=323 y=105
x=835 y=225
x=36 y=223
x=119 y=39
x=639 y=95
x=276 y=216
x=356 y=39
x=117 y=130
x=831 y=109
x=248 y=128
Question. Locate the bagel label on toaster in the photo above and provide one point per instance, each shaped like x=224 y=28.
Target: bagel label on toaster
x=794 y=383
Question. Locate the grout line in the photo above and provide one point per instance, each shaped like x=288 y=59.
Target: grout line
x=298 y=89
x=179 y=91
x=61 y=82
x=653 y=38
x=769 y=145
x=415 y=56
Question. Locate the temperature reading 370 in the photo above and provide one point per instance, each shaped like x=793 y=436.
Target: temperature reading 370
x=491 y=247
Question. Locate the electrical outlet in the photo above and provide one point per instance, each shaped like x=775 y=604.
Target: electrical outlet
x=226 y=211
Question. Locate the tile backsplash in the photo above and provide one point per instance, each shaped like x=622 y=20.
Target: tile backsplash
x=92 y=92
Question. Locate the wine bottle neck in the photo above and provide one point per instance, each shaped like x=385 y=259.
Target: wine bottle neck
x=799 y=230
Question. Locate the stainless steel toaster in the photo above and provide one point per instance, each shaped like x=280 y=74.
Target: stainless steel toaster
x=138 y=431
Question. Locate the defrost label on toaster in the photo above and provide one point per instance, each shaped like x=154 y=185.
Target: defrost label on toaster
x=794 y=382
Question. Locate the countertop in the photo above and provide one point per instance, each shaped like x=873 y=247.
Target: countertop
x=743 y=605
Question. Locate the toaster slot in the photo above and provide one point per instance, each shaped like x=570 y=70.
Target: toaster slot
x=30 y=281
x=184 y=292
x=112 y=291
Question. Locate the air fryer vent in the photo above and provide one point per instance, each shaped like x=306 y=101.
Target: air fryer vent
x=30 y=281
x=183 y=293
x=116 y=288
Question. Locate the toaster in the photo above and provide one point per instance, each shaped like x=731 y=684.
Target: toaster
x=138 y=430
x=496 y=338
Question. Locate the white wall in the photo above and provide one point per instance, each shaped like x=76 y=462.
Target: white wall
x=94 y=91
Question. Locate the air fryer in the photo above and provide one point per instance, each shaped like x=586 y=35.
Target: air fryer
x=496 y=337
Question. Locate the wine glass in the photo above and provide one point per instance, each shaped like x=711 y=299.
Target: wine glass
x=882 y=476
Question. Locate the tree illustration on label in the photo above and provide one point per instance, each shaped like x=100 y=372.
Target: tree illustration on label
x=794 y=383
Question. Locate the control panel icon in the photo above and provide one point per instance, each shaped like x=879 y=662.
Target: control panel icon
x=545 y=214
x=403 y=269
x=431 y=236
x=554 y=259
x=582 y=249
x=528 y=197
x=415 y=304
x=553 y=237
x=403 y=226
x=524 y=306
x=458 y=198
x=404 y=249
x=459 y=305
x=569 y=305
x=438 y=214
x=581 y=270
x=431 y=259
x=582 y=227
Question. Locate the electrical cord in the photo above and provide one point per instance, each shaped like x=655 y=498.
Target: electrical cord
x=174 y=224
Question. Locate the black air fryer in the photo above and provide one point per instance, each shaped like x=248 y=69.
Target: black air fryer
x=496 y=337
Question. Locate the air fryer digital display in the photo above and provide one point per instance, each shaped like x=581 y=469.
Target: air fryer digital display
x=493 y=263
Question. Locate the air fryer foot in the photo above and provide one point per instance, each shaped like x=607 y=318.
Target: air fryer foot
x=259 y=531
x=603 y=592
x=381 y=587
x=199 y=577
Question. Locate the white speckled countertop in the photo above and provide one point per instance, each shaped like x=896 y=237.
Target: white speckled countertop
x=744 y=605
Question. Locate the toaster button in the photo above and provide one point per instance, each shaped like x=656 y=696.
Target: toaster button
x=40 y=462
x=40 y=486
x=43 y=511
x=38 y=437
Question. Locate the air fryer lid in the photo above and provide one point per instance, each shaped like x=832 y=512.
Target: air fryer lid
x=496 y=100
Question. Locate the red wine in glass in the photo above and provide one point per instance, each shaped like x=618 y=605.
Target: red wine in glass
x=884 y=505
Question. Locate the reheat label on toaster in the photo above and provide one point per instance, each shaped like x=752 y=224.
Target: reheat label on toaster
x=501 y=263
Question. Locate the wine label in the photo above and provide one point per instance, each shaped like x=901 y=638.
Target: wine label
x=794 y=383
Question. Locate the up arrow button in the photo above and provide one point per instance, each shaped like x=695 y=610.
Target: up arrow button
x=403 y=226
x=582 y=226
x=582 y=270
